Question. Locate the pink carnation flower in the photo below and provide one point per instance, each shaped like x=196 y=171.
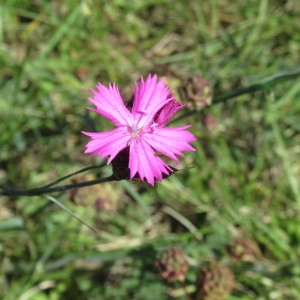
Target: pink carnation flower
x=140 y=129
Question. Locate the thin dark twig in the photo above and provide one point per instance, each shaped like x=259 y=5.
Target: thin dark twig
x=72 y=174
x=43 y=190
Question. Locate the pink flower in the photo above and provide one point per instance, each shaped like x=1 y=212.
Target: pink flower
x=141 y=129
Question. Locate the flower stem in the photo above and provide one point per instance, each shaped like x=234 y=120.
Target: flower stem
x=47 y=189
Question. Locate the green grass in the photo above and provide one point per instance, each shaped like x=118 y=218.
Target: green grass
x=244 y=180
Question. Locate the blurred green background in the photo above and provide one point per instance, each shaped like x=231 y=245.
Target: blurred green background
x=242 y=192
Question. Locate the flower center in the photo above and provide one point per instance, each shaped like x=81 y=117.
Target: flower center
x=135 y=131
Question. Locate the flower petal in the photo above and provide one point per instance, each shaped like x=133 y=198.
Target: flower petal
x=149 y=98
x=108 y=143
x=109 y=104
x=144 y=161
x=170 y=141
x=166 y=112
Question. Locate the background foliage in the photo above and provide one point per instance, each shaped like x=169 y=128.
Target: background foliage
x=245 y=177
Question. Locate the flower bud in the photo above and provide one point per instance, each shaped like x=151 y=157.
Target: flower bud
x=243 y=249
x=172 y=265
x=197 y=92
x=215 y=282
